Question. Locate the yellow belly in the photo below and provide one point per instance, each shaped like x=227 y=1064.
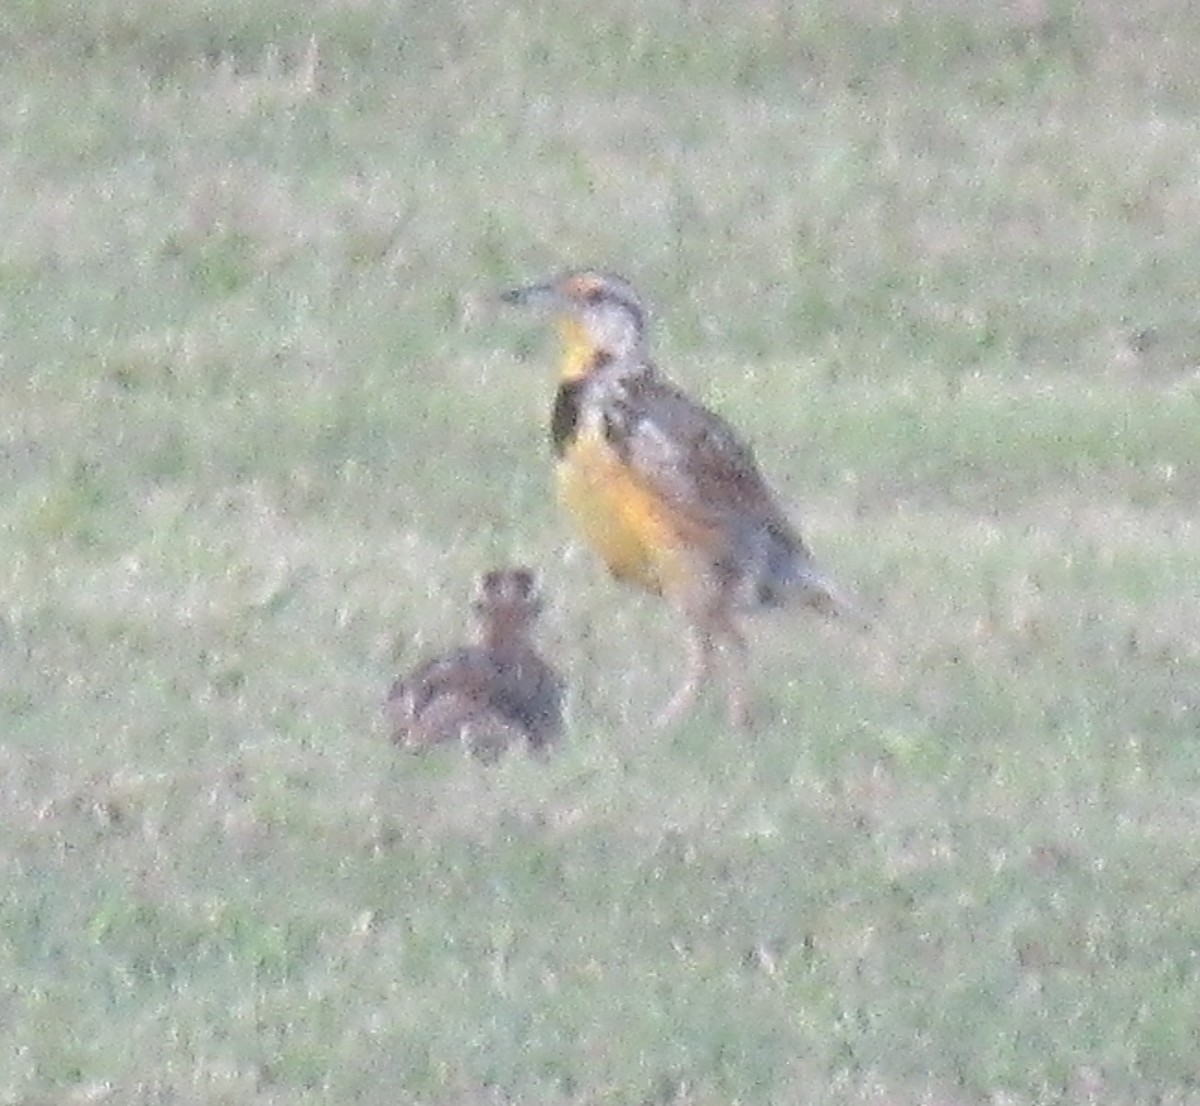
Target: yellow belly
x=631 y=528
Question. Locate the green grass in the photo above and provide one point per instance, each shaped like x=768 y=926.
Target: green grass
x=938 y=261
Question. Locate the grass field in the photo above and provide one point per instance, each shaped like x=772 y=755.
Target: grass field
x=940 y=261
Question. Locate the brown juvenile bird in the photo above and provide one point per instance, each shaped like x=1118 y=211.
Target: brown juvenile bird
x=663 y=489
x=490 y=695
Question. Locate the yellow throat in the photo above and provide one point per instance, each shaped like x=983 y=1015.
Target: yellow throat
x=579 y=355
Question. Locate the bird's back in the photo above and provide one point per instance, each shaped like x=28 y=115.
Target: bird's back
x=474 y=686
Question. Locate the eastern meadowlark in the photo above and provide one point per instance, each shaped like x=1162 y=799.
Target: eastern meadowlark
x=663 y=489
x=490 y=695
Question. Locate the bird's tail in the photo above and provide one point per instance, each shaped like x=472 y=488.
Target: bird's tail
x=785 y=574
x=811 y=587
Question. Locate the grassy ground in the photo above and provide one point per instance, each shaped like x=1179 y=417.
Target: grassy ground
x=940 y=262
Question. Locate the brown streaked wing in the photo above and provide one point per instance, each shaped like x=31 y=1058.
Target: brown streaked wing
x=691 y=455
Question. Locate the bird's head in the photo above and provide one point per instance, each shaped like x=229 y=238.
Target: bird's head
x=601 y=317
x=506 y=601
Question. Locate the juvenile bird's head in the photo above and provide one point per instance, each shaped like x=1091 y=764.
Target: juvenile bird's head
x=506 y=604
x=601 y=317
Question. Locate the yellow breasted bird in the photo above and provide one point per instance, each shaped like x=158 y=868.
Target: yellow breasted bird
x=663 y=489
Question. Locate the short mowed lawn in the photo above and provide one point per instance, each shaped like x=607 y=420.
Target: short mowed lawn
x=261 y=424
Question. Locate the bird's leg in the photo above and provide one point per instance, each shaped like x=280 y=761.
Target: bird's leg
x=734 y=648
x=699 y=669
